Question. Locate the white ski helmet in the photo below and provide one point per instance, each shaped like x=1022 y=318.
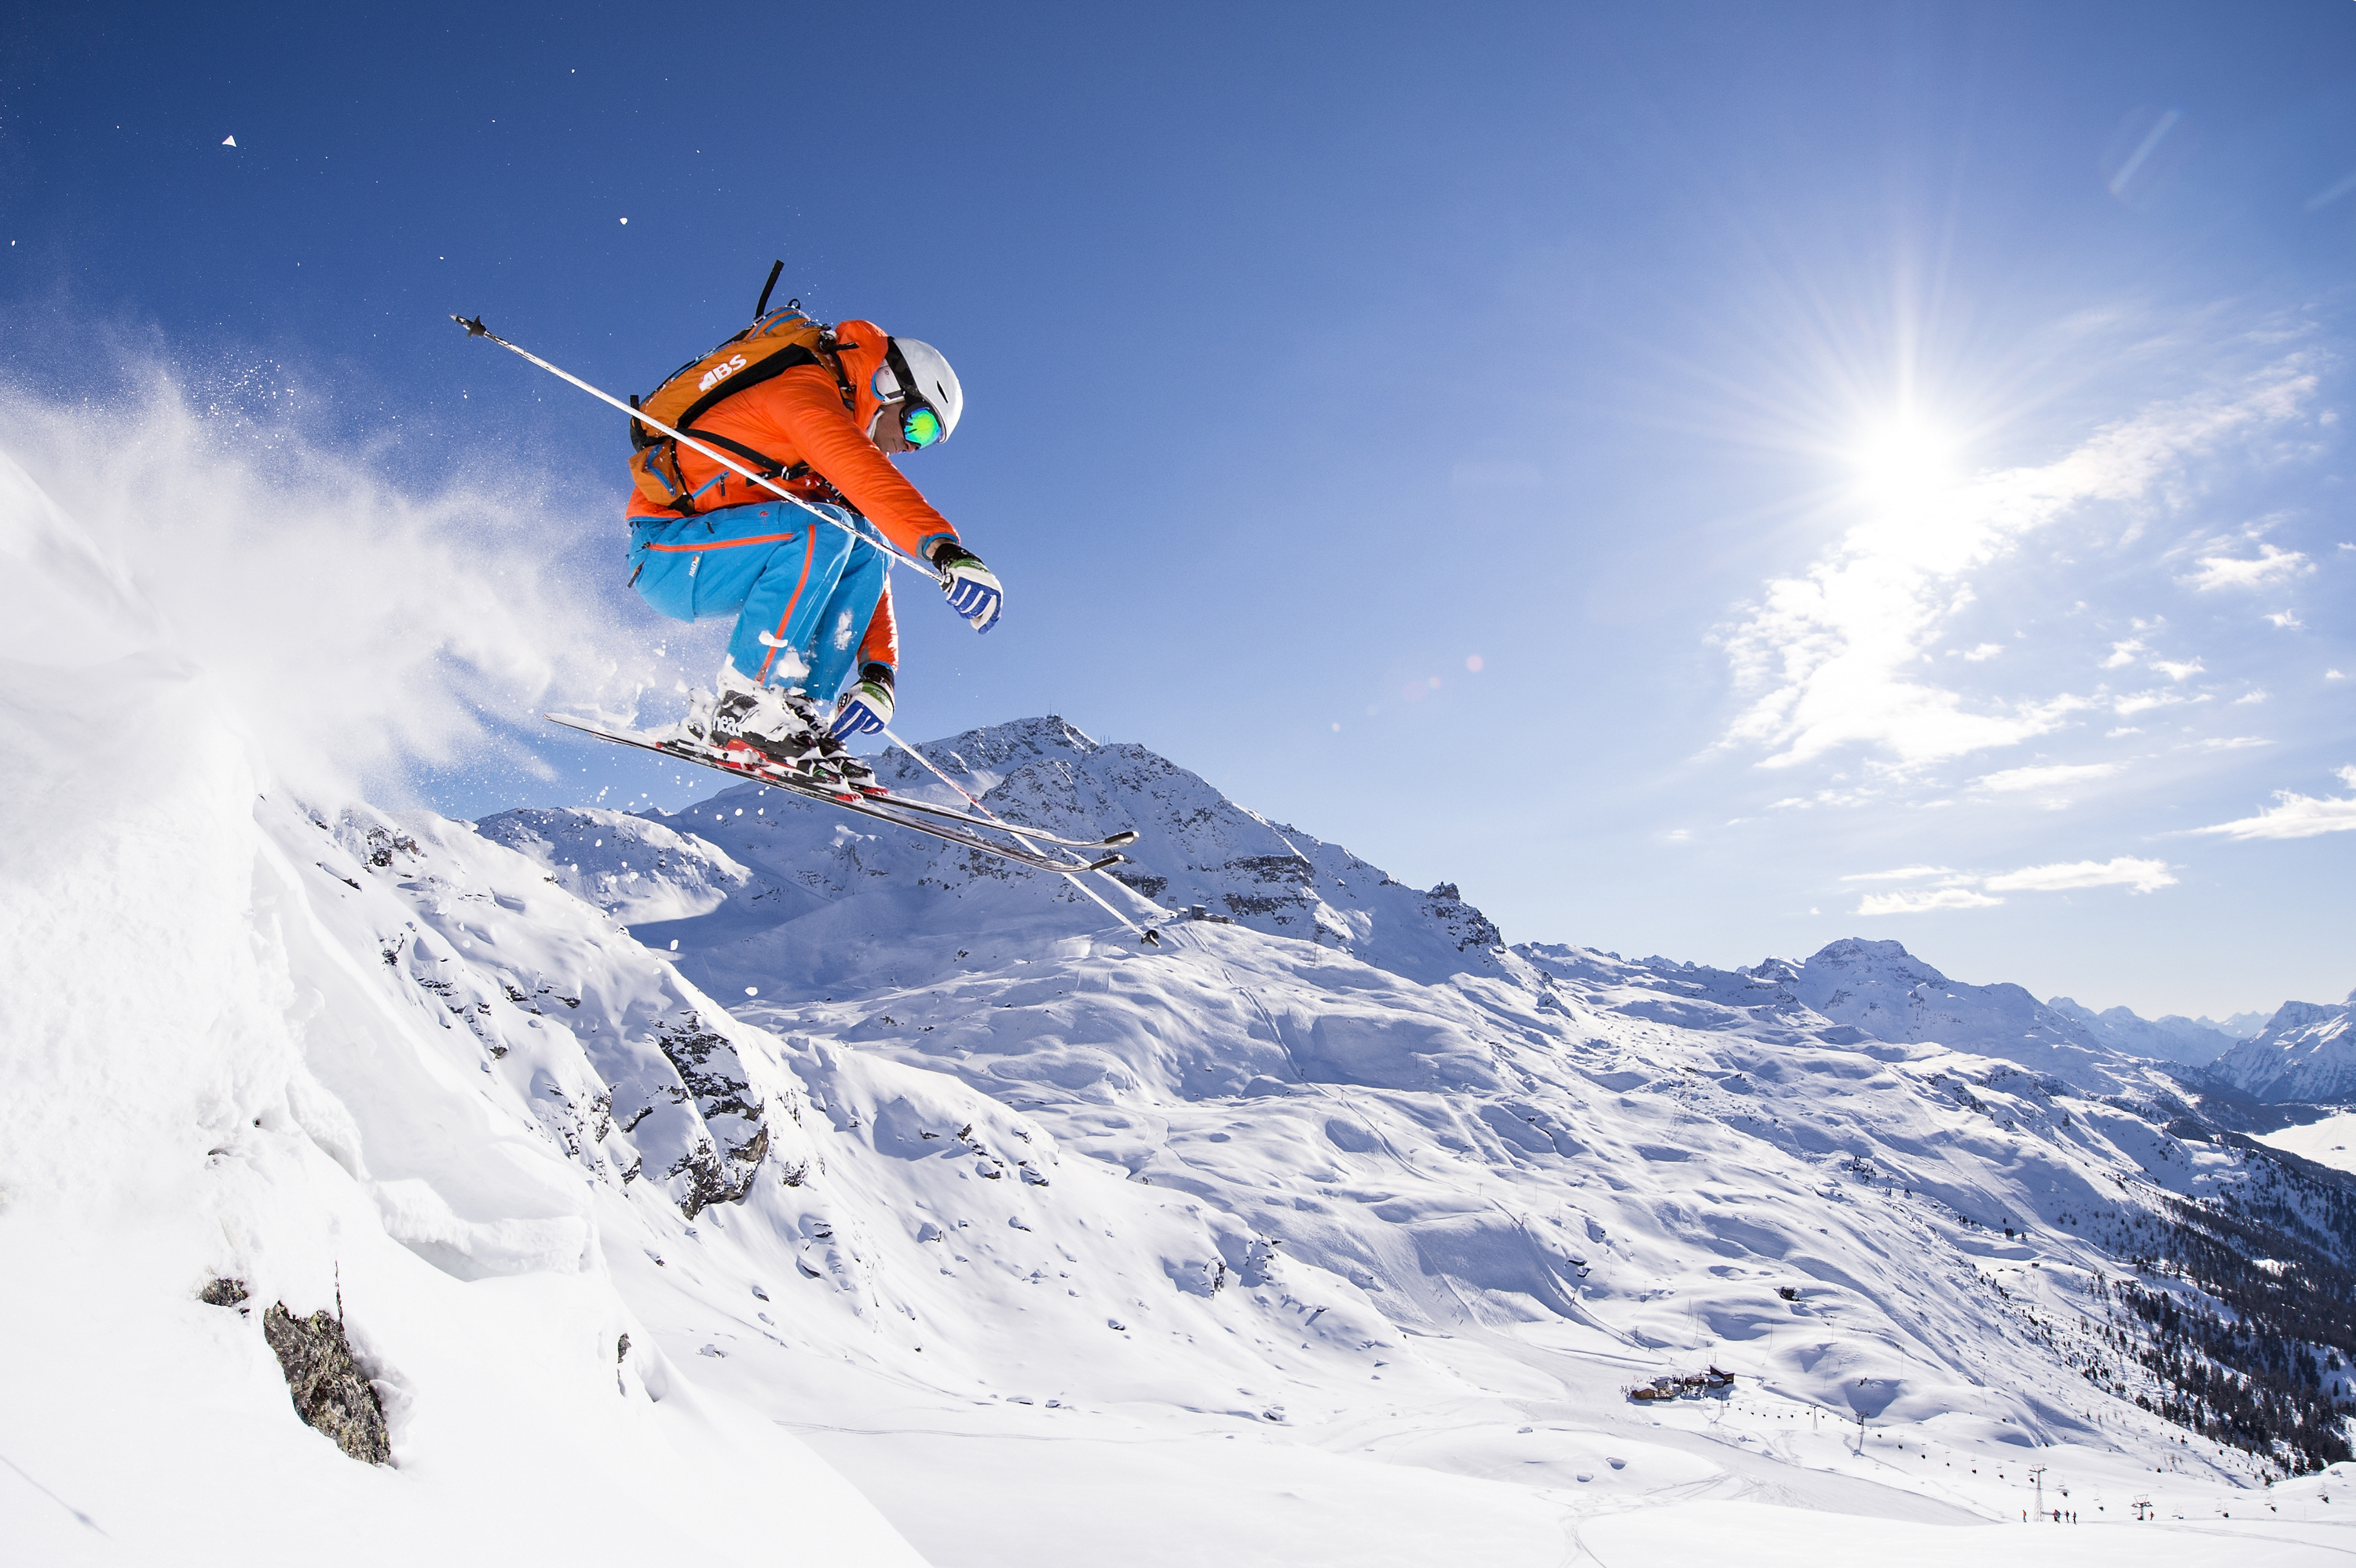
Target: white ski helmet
x=916 y=370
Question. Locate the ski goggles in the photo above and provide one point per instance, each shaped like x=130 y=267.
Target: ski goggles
x=919 y=426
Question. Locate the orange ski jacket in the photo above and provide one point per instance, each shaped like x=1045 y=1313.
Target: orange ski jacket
x=798 y=418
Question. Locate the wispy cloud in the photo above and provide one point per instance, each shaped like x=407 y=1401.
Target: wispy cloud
x=1903 y=874
x=2140 y=701
x=2288 y=620
x=2332 y=193
x=1963 y=890
x=1923 y=900
x=2234 y=743
x=2175 y=671
x=2248 y=698
x=1980 y=655
x=2273 y=564
x=2295 y=815
x=2137 y=876
x=2124 y=654
x=1836 y=656
x=2013 y=779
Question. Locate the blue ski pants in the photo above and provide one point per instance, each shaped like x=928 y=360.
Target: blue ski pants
x=802 y=590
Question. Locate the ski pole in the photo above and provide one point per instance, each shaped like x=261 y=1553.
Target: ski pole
x=1145 y=935
x=476 y=328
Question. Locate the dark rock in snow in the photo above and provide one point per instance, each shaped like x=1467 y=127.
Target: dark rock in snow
x=330 y=1394
x=223 y=1292
x=719 y=1169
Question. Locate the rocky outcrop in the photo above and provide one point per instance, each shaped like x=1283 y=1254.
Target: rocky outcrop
x=330 y=1394
x=718 y=1168
x=1471 y=930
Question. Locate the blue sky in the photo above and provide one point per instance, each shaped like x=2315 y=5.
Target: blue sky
x=1886 y=461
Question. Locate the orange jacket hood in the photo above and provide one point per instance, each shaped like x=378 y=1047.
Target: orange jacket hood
x=861 y=346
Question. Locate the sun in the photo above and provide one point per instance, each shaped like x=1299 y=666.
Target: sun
x=1902 y=460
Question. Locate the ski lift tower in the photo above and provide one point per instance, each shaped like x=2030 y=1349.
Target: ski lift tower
x=2037 y=1476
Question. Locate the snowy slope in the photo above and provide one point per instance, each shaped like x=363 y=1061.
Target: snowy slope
x=2306 y=1053
x=233 y=1049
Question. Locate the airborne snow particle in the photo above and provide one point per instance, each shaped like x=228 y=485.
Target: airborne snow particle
x=229 y=141
x=625 y=220
x=752 y=990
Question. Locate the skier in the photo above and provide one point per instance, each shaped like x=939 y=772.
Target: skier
x=810 y=598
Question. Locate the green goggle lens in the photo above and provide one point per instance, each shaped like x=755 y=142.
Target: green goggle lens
x=921 y=427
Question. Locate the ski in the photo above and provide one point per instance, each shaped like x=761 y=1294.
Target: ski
x=1111 y=841
x=879 y=807
x=1127 y=835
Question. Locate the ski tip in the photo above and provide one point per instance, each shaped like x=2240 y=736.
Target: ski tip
x=1102 y=861
x=475 y=328
x=1125 y=836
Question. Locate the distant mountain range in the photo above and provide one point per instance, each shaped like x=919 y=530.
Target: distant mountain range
x=2306 y=1053
x=2196 y=1042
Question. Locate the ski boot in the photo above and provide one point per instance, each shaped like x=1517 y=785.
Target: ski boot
x=821 y=762
x=856 y=772
x=853 y=776
x=759 y=725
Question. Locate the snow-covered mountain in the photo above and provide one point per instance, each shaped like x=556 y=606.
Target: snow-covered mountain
x=1852 y=989
x=2306 y=1053
x=761 y=1179
x=2174 y=1038
x=1883 y=989
x=1475 y=1141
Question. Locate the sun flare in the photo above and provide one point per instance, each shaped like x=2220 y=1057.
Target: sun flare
x=1903 y=461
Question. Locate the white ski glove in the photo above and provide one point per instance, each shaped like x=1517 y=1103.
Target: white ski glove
x=865 y=708
x=971 y=588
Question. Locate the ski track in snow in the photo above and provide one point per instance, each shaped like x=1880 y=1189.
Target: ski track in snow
x=1334 y=1230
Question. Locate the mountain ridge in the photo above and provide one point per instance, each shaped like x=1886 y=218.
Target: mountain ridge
x=2306 y=1053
